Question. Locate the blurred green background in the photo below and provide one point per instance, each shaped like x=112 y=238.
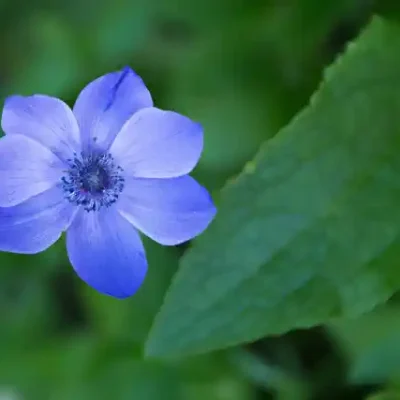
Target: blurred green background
x=242 y=68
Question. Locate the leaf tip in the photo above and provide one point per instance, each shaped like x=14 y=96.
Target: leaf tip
x=155 y=348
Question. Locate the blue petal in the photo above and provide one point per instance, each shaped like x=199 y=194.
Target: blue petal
x=107 y=252
x=170 y=211
x=34 y=225
x=158 y=144
x=107 y=103
x=26 y=169
x=45 y=119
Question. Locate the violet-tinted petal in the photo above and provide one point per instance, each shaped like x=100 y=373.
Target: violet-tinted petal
x=170 y=211
x=34 y=225
x=158 y=144
x=105 y=104
x=26 y=169
x=46 y=119
x=106 y=252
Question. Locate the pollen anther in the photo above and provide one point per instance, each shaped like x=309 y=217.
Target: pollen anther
x=93 y=181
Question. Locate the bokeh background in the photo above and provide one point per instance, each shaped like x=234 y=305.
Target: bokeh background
x=243 y=68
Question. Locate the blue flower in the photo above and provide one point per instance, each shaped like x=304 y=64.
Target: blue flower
x=113 y=165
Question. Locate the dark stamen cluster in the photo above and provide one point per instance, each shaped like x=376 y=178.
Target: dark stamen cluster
x=93 y=181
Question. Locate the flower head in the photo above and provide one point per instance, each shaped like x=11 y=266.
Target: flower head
x=113 y=165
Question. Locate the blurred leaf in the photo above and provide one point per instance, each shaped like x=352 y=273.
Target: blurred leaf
x=81 y=368
x=246 y=81
x=206 y=368
x=25 y=302
x=125 y=379
x=208 y=15
x=121 y=28
x=213 y=84
x=270 y=377
x=49 y=57
x=372 y=344
x=388 y=8
x=310 y=230
x=385 y=396
x=36 y=372
x=225 y=389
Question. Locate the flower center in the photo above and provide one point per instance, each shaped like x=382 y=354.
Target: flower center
x=93 y=181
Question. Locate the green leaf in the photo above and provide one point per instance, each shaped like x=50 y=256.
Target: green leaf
x=310 y=230
x=372 y=345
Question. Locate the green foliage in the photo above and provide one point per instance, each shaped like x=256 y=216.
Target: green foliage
x=309 y=231
x=372 y=345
